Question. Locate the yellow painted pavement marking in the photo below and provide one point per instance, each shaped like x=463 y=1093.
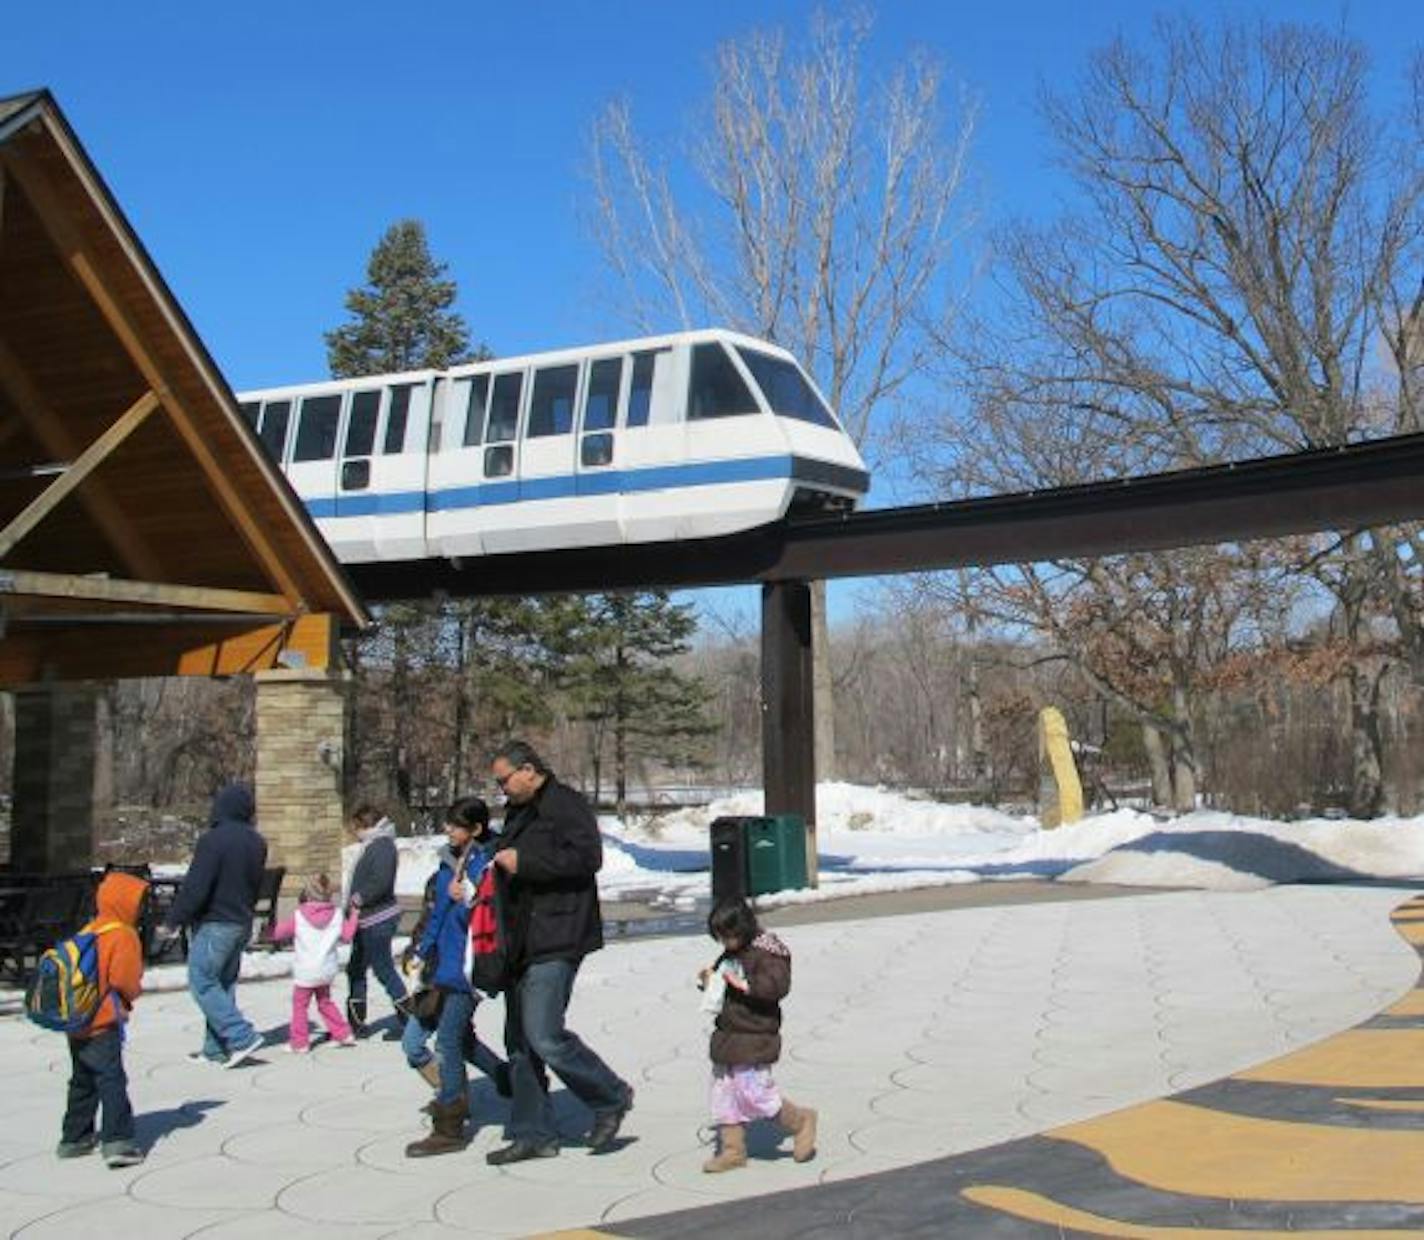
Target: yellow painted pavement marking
x=1410 y=931
x=1181 y=1148
x=1039 y=1209
x=1383 y=1104
x=1365 y=1058
x=1411 y=1005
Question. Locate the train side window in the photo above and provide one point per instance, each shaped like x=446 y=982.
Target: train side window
x=361 y=425
x=475 y=411
x=396 y=417
x=499 y=460
x=600 y=408
x=249 y=410
x=640 y=395
x=717 y=389
x=316 y=428
x=356 y=475
x=551 y=407
x=275 y=416
x=504 y=407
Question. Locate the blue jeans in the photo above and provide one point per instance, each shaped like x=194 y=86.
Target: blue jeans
x=97 y=1079
x=371 y=949
x=214 y=958
x=535 y=1036
x=456 y=1042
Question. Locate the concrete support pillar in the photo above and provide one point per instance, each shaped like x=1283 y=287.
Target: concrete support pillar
x=788 y=726
x=301 y=721
x=52 y=824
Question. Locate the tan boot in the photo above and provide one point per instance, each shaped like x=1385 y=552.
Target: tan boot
x=447 y=1134
x=430 y=1070
x=800 y=1122
x=732 y=1138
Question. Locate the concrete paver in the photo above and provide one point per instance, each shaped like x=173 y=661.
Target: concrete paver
x=916 y=1036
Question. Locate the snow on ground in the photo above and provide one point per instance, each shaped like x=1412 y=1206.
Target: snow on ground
x=872 y=840
x=875 y=840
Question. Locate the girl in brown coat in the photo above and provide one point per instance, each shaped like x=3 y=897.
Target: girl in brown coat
x=755 y=969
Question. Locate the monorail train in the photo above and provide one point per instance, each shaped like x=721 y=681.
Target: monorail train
x=668 y=438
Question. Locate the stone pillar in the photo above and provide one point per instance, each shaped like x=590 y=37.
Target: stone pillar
x=301 y=719
x=52 y=825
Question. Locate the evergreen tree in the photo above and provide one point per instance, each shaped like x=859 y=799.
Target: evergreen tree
x=401 y=319
x=615 y=673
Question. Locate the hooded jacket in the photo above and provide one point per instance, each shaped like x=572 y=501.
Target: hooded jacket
x=119 y=898
x=222 y=882
x=447 y=931
x=749 y=1025
x=316 y=930
x=373 y=879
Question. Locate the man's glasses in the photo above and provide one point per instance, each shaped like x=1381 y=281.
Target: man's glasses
x=502 y=780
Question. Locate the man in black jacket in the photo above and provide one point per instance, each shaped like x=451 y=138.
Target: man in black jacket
x=549 y=855
x=216 y=899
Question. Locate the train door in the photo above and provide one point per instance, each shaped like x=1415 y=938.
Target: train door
x=600 y=431
x=456 y=466
x=357 y=506
x=500 y=514
x=548 y=511
x=651 y=447
x=398 y=478
x=312 y=464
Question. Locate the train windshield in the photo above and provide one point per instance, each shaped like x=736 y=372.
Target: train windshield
x=785 y=388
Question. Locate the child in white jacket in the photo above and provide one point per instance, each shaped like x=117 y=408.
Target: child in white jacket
x=316 y=929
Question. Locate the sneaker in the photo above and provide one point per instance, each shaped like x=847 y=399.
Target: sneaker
x=122 y=1154
x=605 y=1126
x=75 y=1149
x=202 y=1057
x=522 y=1151
x=245 y=1053
x=297 y=1050
x=346 y=1043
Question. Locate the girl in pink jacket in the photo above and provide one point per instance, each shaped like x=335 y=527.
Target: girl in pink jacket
x=316 y=929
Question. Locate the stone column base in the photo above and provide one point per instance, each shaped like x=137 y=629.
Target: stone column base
x=301 y=720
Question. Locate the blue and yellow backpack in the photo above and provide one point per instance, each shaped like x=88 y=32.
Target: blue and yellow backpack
x=64 y=993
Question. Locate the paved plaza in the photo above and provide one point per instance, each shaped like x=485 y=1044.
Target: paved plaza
x=917 y=1036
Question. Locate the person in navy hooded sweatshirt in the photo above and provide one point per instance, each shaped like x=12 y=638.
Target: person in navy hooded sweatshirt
x=216 y=902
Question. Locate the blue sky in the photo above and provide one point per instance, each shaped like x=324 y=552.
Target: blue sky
x=261 y=149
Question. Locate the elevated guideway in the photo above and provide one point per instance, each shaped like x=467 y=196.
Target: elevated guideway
x=1364 y=484
x=1374 y=483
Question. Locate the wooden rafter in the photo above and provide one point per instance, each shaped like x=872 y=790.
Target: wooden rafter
x=48 y=427
x=80 y=263
x=112 y=590
x=89 y=460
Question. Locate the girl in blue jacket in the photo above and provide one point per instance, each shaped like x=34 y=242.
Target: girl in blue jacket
x=441 y=953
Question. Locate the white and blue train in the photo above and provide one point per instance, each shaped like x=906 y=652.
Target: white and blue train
x=668 y=438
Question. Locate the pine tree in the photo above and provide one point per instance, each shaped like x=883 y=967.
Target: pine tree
x=616 y=675
x=401 y=319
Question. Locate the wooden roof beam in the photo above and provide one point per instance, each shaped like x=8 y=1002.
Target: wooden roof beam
x=76 y=256
x=85 y=464
x=46 y=424
x=152 y=593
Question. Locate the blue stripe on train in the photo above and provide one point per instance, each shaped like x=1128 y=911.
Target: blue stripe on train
x=562 y=486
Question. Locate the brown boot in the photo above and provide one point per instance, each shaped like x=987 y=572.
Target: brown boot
x=447 y=1134
x=732 y=1138
x=800 y=1122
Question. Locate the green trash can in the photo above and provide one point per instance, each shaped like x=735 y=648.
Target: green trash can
x=776 y=854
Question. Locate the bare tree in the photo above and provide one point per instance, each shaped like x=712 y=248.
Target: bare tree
x=821 y=214
x=1244 y=277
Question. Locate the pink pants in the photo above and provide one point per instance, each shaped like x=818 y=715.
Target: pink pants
x=330 y=1014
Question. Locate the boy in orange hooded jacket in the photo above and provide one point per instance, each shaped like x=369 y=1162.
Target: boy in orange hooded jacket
x=97 y=1078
